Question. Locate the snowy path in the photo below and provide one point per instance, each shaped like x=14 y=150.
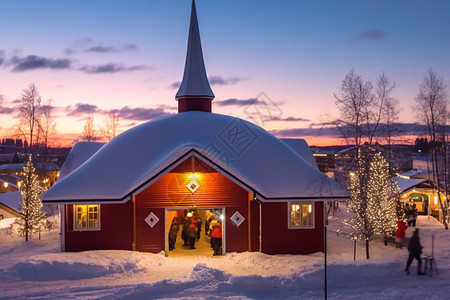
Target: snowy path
x=37 y=270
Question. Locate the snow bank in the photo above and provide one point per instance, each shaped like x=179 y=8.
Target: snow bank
x=37 y=270
x=73 y=266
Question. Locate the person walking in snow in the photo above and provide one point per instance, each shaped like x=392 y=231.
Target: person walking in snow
x=400 y=234
x=415 y=250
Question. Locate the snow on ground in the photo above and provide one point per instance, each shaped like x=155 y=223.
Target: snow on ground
x=37 y=270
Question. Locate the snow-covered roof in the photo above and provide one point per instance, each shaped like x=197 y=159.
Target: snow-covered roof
x=415 y=173
x=9 y=167
x=40 y=166
x=407 y=184
x=79 y=153
x=242 y=151
x=195 y=81
x=301 y=148
x=12 y=200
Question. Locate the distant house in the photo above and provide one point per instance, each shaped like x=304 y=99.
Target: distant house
x=422 y=193
x=268 y=193
x=345 y=160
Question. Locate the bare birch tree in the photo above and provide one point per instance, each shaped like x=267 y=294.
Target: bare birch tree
x=355 y=101
x=89 y=132
x=431 y=108
x=362 y=113
x=111 y=128
x=47 y=124
x=29 y=115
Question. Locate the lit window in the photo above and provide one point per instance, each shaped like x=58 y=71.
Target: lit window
x=87 y=216
x=301 y=215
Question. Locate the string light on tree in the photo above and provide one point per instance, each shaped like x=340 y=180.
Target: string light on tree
x=31 y=218
x=371 y=191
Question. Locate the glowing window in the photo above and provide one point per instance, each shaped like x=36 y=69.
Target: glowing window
x=87 y=217
x=301 y=215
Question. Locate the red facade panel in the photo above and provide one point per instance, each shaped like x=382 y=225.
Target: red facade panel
x=150 y=239
x=254 y=225
x=171 y=191
x=215 y=190
x=237 y=237
x=115 y=230
x=277 y=238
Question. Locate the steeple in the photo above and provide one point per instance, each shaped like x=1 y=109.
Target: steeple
x=194 y=92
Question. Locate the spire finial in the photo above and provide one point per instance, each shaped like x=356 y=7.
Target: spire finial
x=194 y=92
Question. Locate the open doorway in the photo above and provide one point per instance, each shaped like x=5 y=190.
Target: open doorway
x=195 y=231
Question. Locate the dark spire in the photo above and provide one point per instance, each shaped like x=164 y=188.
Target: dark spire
x=194 y=92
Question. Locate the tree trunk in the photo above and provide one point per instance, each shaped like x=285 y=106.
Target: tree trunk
x=444 y=212
x=367 y=249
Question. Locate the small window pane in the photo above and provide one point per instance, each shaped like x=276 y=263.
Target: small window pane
x=301 y=215
x=87 y=217
x=80 y=217
x=306 y=215
x=295 y=214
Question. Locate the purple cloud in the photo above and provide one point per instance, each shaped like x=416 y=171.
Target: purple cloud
x=370 y=35
x=34 y=62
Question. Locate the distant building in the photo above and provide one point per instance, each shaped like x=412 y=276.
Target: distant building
x=400 y=158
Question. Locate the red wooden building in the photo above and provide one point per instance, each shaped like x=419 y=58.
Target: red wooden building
x=124 y=195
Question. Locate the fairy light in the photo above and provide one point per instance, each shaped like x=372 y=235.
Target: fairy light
x=374 y=212
x=32 y=217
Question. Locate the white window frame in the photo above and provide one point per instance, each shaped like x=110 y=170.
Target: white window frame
x=312 y=226
x=75 y=228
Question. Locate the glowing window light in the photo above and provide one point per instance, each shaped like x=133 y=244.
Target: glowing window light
x=352 y=174
x=19 y=184
x=193 y=175
x=309 y=208
x=5 y=184
x=435 y=200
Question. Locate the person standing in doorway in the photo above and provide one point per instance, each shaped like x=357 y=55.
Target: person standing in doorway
x=216 y=238
x=414 y=214
x=407 y=211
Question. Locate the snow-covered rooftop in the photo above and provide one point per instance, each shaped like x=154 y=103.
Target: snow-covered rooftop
x=12 y=200
x=79 y=153
x=406 y=184
x=415 y=173
x=242 y=151
x=301 y=148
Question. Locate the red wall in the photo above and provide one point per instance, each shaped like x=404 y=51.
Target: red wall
x=149 y=239
x=254 y=225
x=237 y=237
x=115 y=233
x=278 y=239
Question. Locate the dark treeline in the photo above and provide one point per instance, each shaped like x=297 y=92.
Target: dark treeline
x=14 y=142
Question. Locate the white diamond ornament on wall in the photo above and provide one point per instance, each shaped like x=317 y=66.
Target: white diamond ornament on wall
x=237 y=218
x=193 y=186
x=152 y=219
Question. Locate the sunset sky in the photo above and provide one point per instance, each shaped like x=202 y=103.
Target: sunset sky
x=91 y=57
